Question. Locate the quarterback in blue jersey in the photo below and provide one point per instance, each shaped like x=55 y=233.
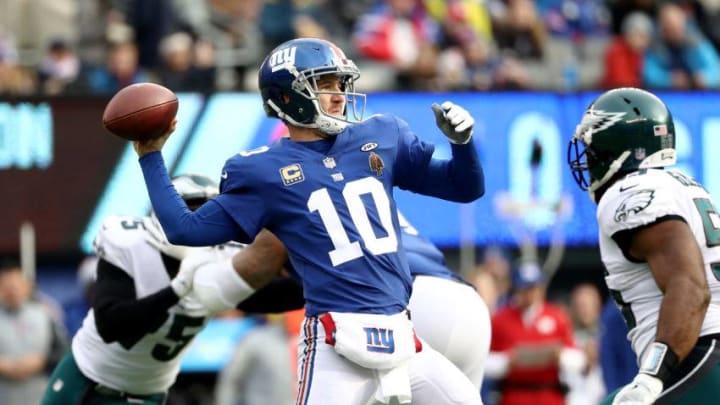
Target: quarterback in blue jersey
x=326 y=192
x=447 y=312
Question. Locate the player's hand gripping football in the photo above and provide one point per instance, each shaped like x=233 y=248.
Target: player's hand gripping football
x=151 y=145
x=454 y=121
x=642 y=390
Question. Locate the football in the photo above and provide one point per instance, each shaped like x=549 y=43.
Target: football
x=140 y=111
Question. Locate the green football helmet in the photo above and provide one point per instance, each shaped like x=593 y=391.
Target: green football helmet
x=195 y=189
x=622 y=130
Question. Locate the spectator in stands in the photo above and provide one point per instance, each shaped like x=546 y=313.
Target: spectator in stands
x=624 y=56
x=76 y=309
x=150 y=22
x=532 y=344
x=619 y=9
x=402 y=35
x=586 y=388
x=233 y=28
x=491 y=278
x=181 y=69
x=14 y=79
x=461 y=20
x=707 y=15
x=121 y=70
x=25 y=340
x=323 y=19
x=575 y=19
x=262 y=369
x=680 y=58
x=59 y=68
x=519 y=30
x=617 y=359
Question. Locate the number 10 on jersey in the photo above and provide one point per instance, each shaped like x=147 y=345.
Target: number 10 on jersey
x=345 y=250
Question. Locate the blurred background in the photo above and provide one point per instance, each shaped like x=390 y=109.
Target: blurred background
x=525 y=69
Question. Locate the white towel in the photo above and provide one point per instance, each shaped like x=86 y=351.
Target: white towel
x=393 y=383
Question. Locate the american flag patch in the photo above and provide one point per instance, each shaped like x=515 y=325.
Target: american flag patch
x=660 y=130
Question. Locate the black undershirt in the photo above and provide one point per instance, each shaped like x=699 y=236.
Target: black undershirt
x=119 y=315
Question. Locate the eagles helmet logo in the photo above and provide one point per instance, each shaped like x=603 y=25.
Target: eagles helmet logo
x=635 y=203
x=596 y=121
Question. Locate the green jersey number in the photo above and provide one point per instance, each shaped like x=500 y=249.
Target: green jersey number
x=182 y=331
x=711 y=226
x=711 y=221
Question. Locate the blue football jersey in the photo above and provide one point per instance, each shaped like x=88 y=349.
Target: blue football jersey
x=424 y=258
x=334 y=211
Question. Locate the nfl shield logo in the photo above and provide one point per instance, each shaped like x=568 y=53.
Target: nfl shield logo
x=329 y=163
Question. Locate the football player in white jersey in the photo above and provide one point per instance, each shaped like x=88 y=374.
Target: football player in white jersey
x=659 y=237
x=129 y=347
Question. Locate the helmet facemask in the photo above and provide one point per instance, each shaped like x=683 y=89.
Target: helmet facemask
x=591 y=169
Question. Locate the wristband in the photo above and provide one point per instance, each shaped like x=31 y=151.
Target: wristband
x=659 y=361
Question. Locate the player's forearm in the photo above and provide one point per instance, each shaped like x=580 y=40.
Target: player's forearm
x=461 y=179
x=121 y=320
x=465 y=172
x=685 y=303
x=119 y=314
x=261 y=261
x=209 y=225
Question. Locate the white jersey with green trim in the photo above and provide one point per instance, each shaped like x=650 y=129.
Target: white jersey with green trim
x=640 y=199
x=150 y=364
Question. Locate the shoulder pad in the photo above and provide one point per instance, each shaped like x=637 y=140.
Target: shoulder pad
x=255 y=151
x=118 y=237
x=636 y=201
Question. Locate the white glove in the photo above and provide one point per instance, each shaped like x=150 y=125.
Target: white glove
x=643 y=390
x=454 y=121
x=183 y=281
x=156 y=237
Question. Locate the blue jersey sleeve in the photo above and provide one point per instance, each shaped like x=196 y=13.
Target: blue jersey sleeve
x=460 y=179
x=208 y=225
x=241 y=194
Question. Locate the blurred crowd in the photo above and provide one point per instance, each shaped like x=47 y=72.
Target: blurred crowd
x=51 y=47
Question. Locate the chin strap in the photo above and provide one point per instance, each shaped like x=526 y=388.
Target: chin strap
x=614 y=168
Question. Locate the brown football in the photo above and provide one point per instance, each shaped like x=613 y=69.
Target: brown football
x=140 y=111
